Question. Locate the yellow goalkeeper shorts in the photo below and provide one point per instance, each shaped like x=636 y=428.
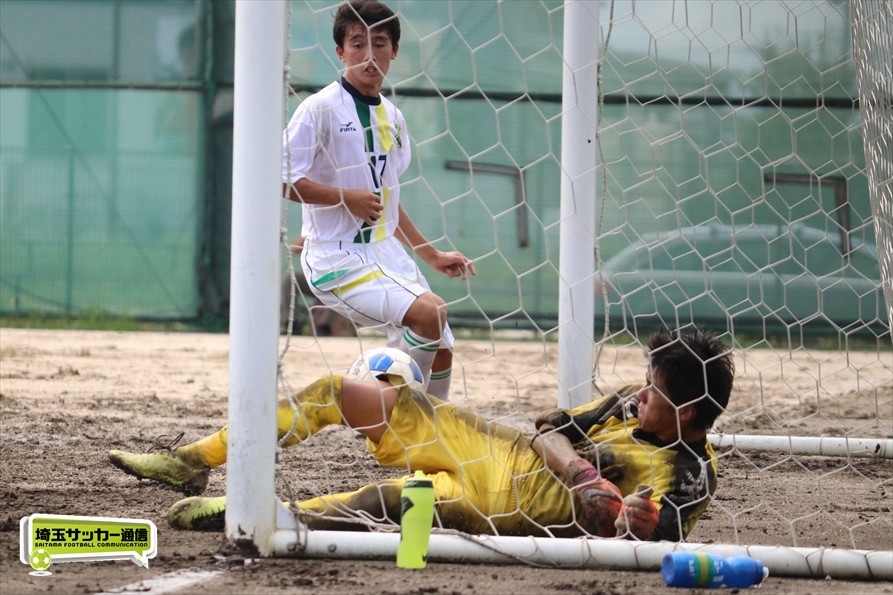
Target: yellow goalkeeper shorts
x=470 y=460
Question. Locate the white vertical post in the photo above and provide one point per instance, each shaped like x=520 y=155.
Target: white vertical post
x=258 y=116
x=576 y=302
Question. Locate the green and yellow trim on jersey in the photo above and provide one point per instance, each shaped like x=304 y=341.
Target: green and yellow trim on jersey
x=378 y=231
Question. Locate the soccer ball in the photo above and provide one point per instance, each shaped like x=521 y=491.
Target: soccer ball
x=389 y=364
x=40 y=559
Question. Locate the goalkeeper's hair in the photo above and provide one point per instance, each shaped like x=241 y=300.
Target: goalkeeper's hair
x=683 y=360
x=369 y=13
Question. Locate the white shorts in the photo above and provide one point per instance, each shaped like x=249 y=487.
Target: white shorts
x=372 y=284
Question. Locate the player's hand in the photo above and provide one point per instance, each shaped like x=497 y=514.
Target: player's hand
x=363 y=204
x=600 y=499
x=638 y=515
x=298 y=245
x=452 y=264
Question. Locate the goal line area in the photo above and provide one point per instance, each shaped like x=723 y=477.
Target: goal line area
x=610 y=168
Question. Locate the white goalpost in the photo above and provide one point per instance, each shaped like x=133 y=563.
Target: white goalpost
x=259 y=104
x=590 y=187
x=579 y=121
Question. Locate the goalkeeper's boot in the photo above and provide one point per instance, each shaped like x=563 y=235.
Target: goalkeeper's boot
x=186 y=474
x=198 y=514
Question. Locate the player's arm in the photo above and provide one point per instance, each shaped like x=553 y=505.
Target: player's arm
x=298 y=244
x=361 y=203
x=600 y=499
x=451 y=264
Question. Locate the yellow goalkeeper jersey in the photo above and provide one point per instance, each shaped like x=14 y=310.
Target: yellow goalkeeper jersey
x=488 y=479
x=606 y=432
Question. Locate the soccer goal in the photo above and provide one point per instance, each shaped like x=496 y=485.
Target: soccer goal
x=612 y=168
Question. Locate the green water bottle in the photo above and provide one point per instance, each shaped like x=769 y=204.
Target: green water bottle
x=416 y=518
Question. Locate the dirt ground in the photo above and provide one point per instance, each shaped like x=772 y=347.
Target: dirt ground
x=68 y=397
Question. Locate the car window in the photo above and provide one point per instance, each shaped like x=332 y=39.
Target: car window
x=731 y=260
x=775 y=250
x=661 y=256
x=751 y=251
x=864 y=262
x=823 y=258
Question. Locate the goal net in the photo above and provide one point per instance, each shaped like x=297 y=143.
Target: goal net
x=729 y=167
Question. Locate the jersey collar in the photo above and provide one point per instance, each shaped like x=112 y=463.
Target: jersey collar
x=359 y=96
x=698 y=447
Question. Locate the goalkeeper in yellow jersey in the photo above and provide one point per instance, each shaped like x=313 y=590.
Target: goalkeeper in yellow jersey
x=635 y=464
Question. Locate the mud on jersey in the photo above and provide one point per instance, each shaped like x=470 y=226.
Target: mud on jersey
x=606 y=432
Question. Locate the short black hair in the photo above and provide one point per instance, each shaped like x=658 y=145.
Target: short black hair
x=684 y=360
x=369 y=13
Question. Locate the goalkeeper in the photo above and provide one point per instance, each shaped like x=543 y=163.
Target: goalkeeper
x=345 y=148
x=635 y=464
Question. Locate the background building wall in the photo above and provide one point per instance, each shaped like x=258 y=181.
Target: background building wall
x=116 y=138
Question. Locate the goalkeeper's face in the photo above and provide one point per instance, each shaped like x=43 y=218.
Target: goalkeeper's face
x=367 y=55
x=657 y=414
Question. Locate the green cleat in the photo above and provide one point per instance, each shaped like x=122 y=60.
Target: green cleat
x=198 y=514
x=167 y=467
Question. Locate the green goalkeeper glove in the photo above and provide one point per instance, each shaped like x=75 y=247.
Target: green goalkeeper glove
x=638 y=515
x=600 y=498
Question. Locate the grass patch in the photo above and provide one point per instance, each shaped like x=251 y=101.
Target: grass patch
x=775 y=338
x=100 y=321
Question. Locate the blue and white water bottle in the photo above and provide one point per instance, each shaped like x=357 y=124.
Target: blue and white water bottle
x=699 y=569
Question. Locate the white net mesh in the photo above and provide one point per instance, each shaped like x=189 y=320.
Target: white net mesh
x=873 y=53
x=733 y=194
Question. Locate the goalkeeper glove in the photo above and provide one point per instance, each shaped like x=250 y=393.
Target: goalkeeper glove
x=600 y=498
x=638 y=515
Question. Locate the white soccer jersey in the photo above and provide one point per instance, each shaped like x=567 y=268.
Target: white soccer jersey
x=340 y=138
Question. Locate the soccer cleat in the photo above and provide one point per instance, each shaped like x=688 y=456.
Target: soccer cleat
x=166 y=467
x=198 y=514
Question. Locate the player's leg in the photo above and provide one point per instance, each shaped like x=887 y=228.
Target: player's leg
x=363 y=405
x=423 y=325
x=482 y=457
x=442 y=368
x=428 y=338
x=379 y=286
x=379 y=501
x=469 y=460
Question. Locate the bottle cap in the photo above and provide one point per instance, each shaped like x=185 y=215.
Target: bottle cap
x=418 y=480
x=760 y=572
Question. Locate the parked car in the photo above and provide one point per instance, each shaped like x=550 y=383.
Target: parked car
x=758 y=275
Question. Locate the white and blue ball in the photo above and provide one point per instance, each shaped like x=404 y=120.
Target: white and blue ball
x=389 y=364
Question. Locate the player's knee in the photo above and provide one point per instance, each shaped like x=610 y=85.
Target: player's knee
x=437 y=308
x=440 y=313
x=427 y=315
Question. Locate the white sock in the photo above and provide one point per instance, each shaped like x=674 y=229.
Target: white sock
x=439 y=385
x=420 y=349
